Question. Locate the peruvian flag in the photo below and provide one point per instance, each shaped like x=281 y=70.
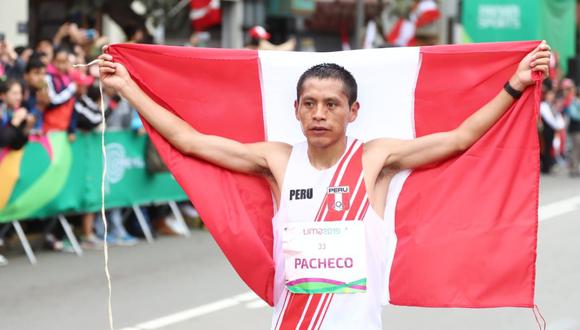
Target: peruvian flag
x=205 y=14
x=462 y=232
x=338 y=198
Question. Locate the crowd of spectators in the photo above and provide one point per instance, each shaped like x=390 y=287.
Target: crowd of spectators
x=559 y=124
x=42 y=91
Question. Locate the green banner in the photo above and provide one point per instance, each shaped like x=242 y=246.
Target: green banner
x=303 y=7
x=290 y=8
x=514 y=20
x=279 y=8
x=501 y=20
x=51 y=176
x=558 y=27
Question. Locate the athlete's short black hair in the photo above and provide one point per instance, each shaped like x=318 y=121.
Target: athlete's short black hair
x=330 y=71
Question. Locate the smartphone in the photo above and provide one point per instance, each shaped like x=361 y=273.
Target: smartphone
x=91 y=34
x=2 y=36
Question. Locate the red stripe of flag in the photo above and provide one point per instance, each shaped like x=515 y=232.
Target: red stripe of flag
x=192 y=83
x=470 y=222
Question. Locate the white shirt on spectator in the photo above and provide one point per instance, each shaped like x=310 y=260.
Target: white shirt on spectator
x=555 y=120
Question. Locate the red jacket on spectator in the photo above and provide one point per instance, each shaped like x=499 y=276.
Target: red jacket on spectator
x=61 y=90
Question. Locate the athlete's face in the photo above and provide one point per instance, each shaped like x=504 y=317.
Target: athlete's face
x=323 y=111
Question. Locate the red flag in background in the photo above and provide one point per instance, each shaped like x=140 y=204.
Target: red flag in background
x=205 y=14
x=403 y=31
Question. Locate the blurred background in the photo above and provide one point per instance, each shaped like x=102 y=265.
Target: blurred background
x=51 y=233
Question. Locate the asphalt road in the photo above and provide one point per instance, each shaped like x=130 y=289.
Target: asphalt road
x=186 y=283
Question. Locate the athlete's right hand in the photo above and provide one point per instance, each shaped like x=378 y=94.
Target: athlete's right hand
x=113 y=75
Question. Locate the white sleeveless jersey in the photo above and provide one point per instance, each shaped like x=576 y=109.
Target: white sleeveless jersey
x=304 y=198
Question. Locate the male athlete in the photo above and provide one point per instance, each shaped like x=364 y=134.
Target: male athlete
x=338 y=282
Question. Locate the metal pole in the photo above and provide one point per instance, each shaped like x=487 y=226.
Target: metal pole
x=299 y=32
x=179 y=217
x=70 y=235
x=449 y=11
x=359 y=23
x=143 y=223
x=232 y=16
x=24 y=242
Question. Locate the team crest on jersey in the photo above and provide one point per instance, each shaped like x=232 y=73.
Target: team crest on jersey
x=338 y=198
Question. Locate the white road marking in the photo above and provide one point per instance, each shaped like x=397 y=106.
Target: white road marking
x=256 y=304
x=251 y=300
x=552 y=210
x=194 y=312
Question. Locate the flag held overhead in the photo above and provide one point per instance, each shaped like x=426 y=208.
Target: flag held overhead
x=469 y=222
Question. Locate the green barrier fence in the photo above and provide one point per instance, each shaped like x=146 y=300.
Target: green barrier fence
x=513 y=20
x=51 y=176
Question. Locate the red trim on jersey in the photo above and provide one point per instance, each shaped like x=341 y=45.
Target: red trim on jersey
x=310 y=312
x=325 y=310
x=283 y=309
x=365 y=209
x=317 y=317
x=358 y=200
x=323 y=205
x=350 y=178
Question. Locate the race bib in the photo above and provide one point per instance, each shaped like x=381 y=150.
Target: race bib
x=325 y=257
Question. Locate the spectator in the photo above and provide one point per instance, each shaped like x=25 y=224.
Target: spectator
x=36 y=91
x=16 y=124
x=551 y=122
x=86 y=109
x=15 y=121
x=259 y=40
x=45 y=48
x=8 y=60
x=572 y=111
x=61 y=90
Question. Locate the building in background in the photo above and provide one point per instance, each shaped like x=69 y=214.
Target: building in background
x=321 y=25
x=14 y=21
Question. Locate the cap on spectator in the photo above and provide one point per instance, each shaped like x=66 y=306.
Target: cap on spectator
x=567 y=83
x=258 y=32
x=80 y=78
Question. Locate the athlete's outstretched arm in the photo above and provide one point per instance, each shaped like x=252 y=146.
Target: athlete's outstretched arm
x=227 y=153
x=401 y=154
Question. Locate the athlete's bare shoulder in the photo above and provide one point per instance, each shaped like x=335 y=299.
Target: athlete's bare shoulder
x=277 y=155
x=276 y=149
x=376 y=153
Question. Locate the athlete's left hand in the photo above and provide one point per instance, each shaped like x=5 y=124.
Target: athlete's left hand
x=537 y=60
